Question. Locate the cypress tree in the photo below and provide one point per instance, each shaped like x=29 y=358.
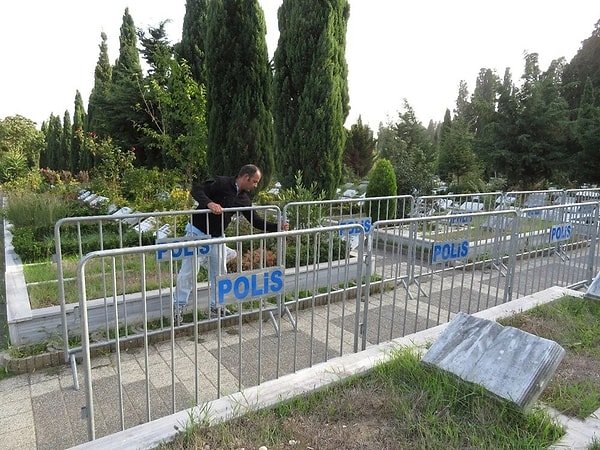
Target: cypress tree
x=80 y=156
x=53 y=141
x=193 y=37
x=65 y=145
x=100 y=92
x=122 y=116
x=238 y=84
x=311 y=91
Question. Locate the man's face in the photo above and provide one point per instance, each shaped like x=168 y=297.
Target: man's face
x=250 y=182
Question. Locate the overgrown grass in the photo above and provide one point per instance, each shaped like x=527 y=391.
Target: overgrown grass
x=574 y=323
x=26 y=209
x=42 y=285
x=398 y=404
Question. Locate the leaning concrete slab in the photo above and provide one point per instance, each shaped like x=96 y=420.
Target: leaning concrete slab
x=508 y=362
x=593 y=291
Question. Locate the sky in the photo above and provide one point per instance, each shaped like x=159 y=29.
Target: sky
x=395 y=51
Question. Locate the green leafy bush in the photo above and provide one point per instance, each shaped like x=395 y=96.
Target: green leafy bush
x=13 y=165
x=382 y=183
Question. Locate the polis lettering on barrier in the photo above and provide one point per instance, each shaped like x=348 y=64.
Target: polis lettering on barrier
x=365 y=222
x=560 y=232
x=249 y=285
x=447 y=251
x=179 y=253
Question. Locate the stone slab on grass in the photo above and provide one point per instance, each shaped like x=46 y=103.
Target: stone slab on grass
x=510 y=363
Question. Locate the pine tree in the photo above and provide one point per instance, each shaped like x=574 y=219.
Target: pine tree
x=238 y=84
x=311 y=91
x=483 y=107
x=193 y=38
x=585 y=64
x=175 y=106
x=360 y=148
x=588 y=137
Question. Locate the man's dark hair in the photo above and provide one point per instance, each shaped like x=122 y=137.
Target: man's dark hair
x=248 y=169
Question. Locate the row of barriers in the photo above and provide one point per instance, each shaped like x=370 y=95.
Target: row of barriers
x=351 y=273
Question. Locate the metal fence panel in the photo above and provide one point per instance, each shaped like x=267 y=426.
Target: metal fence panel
x=77 y=236
x=287 y=332
x=348 y=282
x=556 y=246
x=432 y=267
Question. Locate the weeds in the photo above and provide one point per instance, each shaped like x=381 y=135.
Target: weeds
x=399 y=404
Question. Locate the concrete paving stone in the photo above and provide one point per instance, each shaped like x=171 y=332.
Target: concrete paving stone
x=160 y=375
x=14 y=382
x=8 y=409
x=182 y=366
x=100 y=361
x=18 y=394
x=45 y=387
x=103 y=371
x=21 y=421
x=40 y=376
x=153 y=358
x=18 y=440
x=108 y=407
x=50 y=415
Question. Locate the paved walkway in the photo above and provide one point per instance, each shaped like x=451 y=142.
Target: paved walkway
x=42 y=410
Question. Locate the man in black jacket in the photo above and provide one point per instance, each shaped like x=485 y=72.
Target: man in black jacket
x=215 y=194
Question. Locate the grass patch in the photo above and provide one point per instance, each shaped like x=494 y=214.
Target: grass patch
x=574 y=323
x=399 y=404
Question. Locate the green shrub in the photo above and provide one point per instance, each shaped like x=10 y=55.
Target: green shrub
x=13 y=165
x=382 y=183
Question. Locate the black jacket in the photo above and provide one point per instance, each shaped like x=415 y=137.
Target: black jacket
x=223 y=190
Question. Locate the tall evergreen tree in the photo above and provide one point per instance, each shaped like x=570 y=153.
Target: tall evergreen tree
x=585 y=64
x=65 y=145
x=53 y=142
x=96 y=118
x=81 y=159
x=498 y=138
x=125 y=93
x=360 y=148
x=193 y=38
x=410 y=149
x=238 y=83
x=175 y=105
x=483 y=108
x=456 y=156
x=542 y=128
x=311 y=91
x=588 y=137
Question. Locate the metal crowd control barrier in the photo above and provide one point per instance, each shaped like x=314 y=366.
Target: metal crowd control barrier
x=415 y=273
x=436 y=205
x=125 y=228
x=441 y=266
x=322 y=271
x=557 y=246
x=365 y=210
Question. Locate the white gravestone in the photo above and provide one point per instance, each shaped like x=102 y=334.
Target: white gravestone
x=510 y=363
